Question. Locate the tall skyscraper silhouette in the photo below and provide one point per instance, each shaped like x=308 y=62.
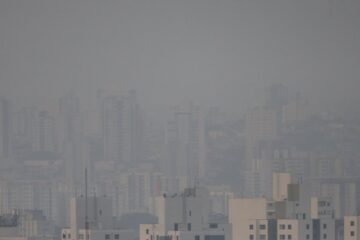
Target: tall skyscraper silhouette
x=5 y=131
x=72 y=139
x=111 y=129
x=122 y=129
x=186 y=147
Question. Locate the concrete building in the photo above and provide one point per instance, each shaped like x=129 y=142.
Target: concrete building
x=91 y=219
x=219 y=199
x=280 y=186
x=5 y=132
x=29 y=224
x=25 y=194
x=122 y=129
x=261 y=124
x=132 y=129
x=46 y=139
x=184 y=217
x=351 y=227
x=294 y=229
x=111 y=128
x=185 y=144
x=251 y=218
x=9 y=228
x=71 y=139
x=105 y=234
x=295 y=214
x=257 y=181
x=137 y=190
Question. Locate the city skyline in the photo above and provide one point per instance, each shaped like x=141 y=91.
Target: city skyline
x=179 y=120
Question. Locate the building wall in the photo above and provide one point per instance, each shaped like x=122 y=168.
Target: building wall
x=280 y=183
x=352 y=228
x=193 y=209
x=241 y=211
x=288 y=229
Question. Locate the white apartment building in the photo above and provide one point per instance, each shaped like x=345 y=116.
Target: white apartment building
x=294 y=229
x=292 y=215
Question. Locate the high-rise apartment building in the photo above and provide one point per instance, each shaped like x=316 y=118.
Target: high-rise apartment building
x=132 y=129
x=122 y=129
x=73 y=146
x=46 y=140
x=5 y=131
x=186 y=145
x=111 y=129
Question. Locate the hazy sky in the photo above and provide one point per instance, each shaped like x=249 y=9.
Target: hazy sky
x=221 y=52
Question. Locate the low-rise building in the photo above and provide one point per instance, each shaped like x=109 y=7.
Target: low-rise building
x=91 y=219
x=352 y=228
x=185 y=217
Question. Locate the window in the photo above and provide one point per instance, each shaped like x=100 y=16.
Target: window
x=251 y=237
x=307 y=236
x=117 y=236
x=352 y=223
x=324 y=226
x=213 y=225
x=289 y=226
x=214 y=237
x=147 y=231
x=262 y=226
x=262 y=237
x=189 y=226
x=324 y=236
x=176 y=227
x=289 y=237
x=282 y=237
x=197 y=237
x=64 y=236
x=352 y=233
x=304 y=215
x=282 y=226
x=69 y=235
x=107 y=236
x=81 y=236
x=251 y=227
x=307 y=226
x=190 y=213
